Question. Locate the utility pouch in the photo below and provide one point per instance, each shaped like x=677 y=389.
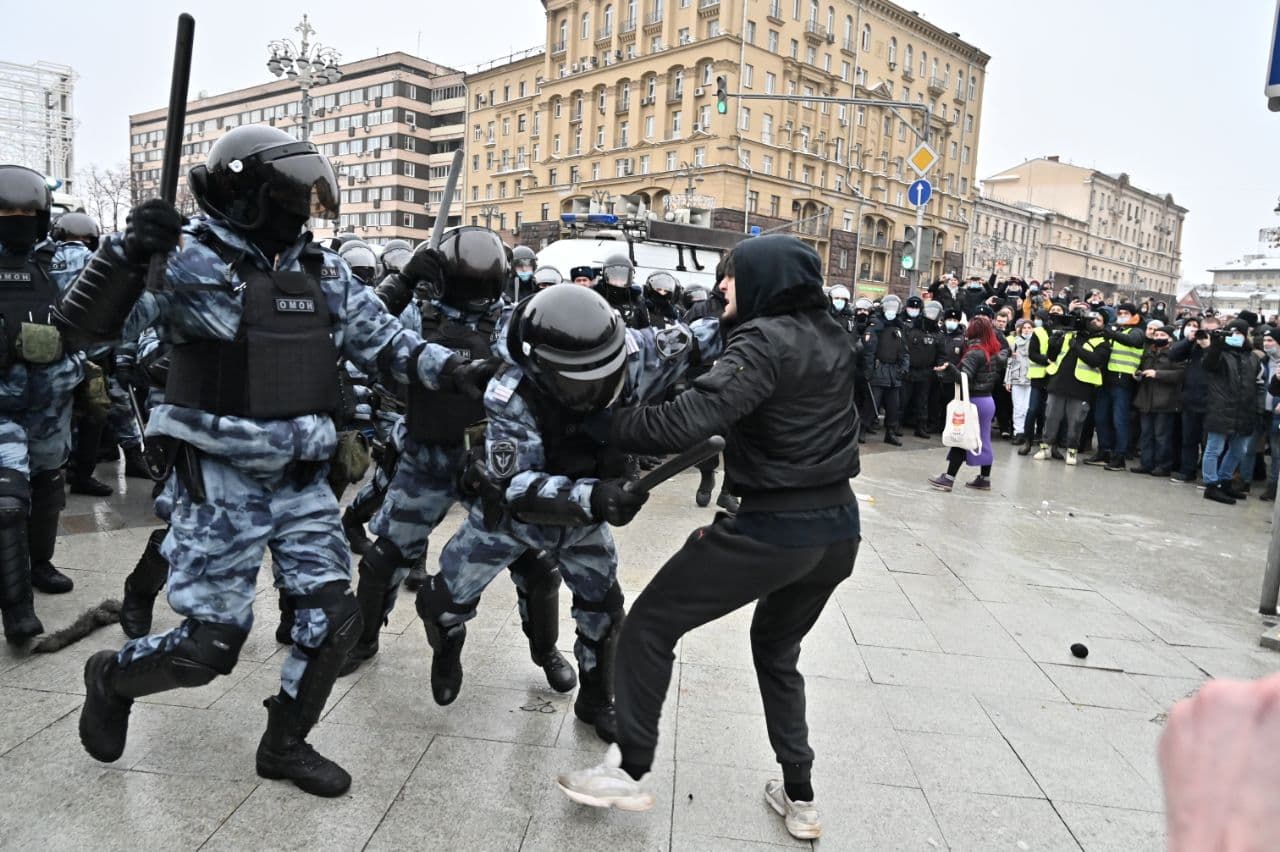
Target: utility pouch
x=38 y=343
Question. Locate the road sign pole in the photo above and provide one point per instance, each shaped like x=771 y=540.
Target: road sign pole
x=915 y=288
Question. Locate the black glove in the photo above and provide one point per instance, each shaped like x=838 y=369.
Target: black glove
x=425 y=267
x=469 y=378
x=613 y=504
x=395 y=293
x=153 y=227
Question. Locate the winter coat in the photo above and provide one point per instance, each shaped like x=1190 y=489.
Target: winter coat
x=942 y=295
x=1016 y=372
x=1064 y=383
x=970 y=297
x=886 y=360
x=983 y=372
x=1162 y=394
x=925 y=348
x=1195 y=382
x=1232 y=390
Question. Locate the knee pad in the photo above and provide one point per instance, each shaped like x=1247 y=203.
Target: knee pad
x=48 y=492
x=434 y=600
x=15 y=497
x=612 y=603
x=382 y=560
x=209 y=649
x=341 y=610
x=538 y=570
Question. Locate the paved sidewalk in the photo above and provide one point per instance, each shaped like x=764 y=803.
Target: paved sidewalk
x=945 y=706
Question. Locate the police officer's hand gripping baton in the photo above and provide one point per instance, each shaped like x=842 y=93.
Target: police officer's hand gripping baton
x=699 y=452
x=446 y=199
x=176 y=120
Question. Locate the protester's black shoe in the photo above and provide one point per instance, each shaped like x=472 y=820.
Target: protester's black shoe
x=1234 y=492
x=1056 y=453
x=892 y=439
x=1098 y=459
x=705 y=486
x=862 y=436
x=1162 y=471
x=1270 y=494
x=89 y=486
x=1141 y=470
x=1182 y=477
x=1218 y=494
x=920 y=433
x=20 y=623
x=51 y=581
x=284 y=753
x=727 y=502
x=1116 y=462
x=104 y=718
x=135 y=465
x=595 y=707
x=1025 y=449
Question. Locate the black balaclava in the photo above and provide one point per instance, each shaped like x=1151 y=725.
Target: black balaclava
x=19 y=234
x=278 y=232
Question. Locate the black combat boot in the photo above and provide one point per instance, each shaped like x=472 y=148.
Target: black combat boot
x=727 y=501
x=353 y=529
x=417 y=576
x=84 y=457
x=541 y=608
x=48 y=496
x=594 y=705
x=104 y=719
x=16 y=609
x=705 y=486
x=142 y=586
x=135 y=465
x=285 y=754
x=434 y=601
x=375 y=597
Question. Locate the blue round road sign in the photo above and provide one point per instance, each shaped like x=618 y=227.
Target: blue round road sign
x=920 y=192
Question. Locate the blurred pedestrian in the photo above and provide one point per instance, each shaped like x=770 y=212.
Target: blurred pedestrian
x=983 y=362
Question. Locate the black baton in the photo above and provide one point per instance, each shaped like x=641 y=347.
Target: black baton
x=699 y=452
x=173 y=132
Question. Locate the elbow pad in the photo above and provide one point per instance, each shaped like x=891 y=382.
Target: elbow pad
x=394 y=293
x=96 y=306
x=558 y=510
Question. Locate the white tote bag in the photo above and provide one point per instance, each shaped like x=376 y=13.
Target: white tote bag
x=962 y=428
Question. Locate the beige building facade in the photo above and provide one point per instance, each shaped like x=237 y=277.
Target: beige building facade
x=617 y=113
x=1110 y=234
x=389 y=127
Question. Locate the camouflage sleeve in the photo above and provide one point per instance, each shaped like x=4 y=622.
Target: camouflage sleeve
x=374 y=339
x=657 y=358
x=514 y=455
x=743 y=377
x=69 y=259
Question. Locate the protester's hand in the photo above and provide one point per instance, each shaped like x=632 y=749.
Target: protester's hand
x=1008 y=388
x=1218 y=763
x=1148 y=374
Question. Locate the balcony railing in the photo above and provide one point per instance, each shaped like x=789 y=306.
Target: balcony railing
x=604 y=34
x=627 y=27
x=557 y=48
x=937 y=86
x=775 y=11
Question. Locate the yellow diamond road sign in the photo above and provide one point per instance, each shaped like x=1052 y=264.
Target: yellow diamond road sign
x=923 y=159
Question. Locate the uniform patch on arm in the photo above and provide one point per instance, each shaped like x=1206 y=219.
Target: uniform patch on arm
x=502 y=457
x=671 y=342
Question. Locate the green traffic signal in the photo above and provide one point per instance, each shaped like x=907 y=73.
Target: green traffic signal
x=722 y=95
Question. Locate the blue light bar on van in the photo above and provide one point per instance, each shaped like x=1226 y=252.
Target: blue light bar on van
x=589 y=219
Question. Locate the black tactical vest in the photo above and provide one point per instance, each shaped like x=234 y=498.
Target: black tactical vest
x=283 y=360
x=573 y=444
x=441 y=417
x=27 y=294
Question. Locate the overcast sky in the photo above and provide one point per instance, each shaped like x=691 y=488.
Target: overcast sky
x=1170 y=92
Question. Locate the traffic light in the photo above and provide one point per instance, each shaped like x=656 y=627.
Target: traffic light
x=909 y=249
x=722 y=95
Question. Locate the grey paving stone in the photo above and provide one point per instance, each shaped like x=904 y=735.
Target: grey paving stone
x=982 y=823
x=1099 y=687
x=876 y=604
x=1232 y=663
x=967 y=764
x=1114 y=830
x=725 y=802
x=859 y=816
x=966 y=627
x=26 y=712
x=936 y=711
x=1167 y=691
x=892 y=633
x=953 y=671
x=1087 y=769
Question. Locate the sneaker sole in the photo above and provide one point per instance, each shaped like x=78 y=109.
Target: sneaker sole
x=806 y=832
x=632 y=804
x=944 y=488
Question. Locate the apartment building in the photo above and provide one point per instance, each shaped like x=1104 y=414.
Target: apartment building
x=617 y=111
x=390 y=126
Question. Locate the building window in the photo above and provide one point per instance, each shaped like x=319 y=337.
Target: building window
x=866 y=37
x=795 y=49
x=751 y=32
x=623 y=131
x=748 y=76
x=766 y=129
x=675 y=124
x=409 y=169
x=773 y=41
x=585 y=32
x=753 y=201
x=644 y=164
x=770 y=83
x=672 y=160
x=744 y=119
x=706 y=73
x=766 y=165
x=651 y=87
x=775 y=205
x=677 y=84
x=521 y=123
x=545 y=211
x=648 y=127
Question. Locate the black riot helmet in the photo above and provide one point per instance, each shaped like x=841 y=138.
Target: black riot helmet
x=360 y=257
x=524 y=262
x=546 y=276
x=260 y=179
x=693 y=294
x=22 y=188
x=616 y=278
x=77 y=228
x=661 y=287
x=395 y=254
x=475 y=267
x=573 y=345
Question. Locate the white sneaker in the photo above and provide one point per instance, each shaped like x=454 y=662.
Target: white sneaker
x=801 y=818
x=1042 y=454
x=606 y=785
x=1071 y=458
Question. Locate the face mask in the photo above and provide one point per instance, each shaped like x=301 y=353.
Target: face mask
x=1039 y=323
x=913 y=312
x=891 y=315
x=1158 y=342
x=18 y=233
x=1236 y=340
x=280 y=231
x=839 y=304
x=1271 y=351
x=1014 y=294
x=976 y=285
x=525 y=276
x=1026 y=334
x=952 y=325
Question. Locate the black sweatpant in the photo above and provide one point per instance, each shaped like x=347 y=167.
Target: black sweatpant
x=717 y=571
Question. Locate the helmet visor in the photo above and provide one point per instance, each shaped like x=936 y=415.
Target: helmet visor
x=23 y=189
x=304 y=185
x=618 y=276
x=662 y=283
x=584 y=381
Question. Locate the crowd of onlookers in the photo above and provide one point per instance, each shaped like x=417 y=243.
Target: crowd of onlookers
x=1080 y=378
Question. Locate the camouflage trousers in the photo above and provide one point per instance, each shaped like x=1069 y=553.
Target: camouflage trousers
x=369 y=498
x=36 y=440
x=215 y=549
x=120 y=418
x=586 y=555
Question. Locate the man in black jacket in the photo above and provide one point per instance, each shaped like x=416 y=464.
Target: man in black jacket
x=885 y=364
x=1195 y=393
x=1232 y=373
x=924 y=345
x=782 y=393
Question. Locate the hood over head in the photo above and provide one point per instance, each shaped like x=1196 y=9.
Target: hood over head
x=776 y=274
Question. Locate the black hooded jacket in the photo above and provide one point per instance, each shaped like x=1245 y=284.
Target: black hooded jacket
x=781 y=392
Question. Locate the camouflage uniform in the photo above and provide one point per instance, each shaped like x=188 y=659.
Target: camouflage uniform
x=264 y=479
x=588 y=560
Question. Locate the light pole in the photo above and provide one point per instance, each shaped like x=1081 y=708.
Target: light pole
x=306 y=64
x=603 y=199
x=489 y=211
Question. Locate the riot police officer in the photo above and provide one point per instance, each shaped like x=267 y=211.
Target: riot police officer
x=924 y=345
x=39 y=373
x=661 y=296
x=549 y=479
x=524 y=262
x=433 y=440
x=258 y=317
x=546 y=276
x=77 y=228
x=395 y=254
x=617 y=285
x=363 y=263
x=841 y=311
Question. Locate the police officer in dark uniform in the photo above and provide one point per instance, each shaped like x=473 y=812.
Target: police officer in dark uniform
x=524 y=262
x=617 y=285
x=842 y=310
x=886 y=361
x=361 y=259
x=661 y=299
x=952 y=351
x=258 y=316
x=546 y=276
x=924 y=345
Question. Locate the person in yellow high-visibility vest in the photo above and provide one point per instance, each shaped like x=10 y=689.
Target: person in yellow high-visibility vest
x=1078 y=359
x=1038 y=374
x=1115 y=401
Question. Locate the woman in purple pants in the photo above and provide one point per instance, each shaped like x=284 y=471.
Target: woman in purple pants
x=984 y=363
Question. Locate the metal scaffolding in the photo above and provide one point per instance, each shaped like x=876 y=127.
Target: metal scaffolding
x=37 y=126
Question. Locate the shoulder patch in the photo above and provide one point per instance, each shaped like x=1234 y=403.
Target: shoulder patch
x=671 y=342
x=502 y=457
x=328 y=271
x=59 y=264
x=502 y=393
